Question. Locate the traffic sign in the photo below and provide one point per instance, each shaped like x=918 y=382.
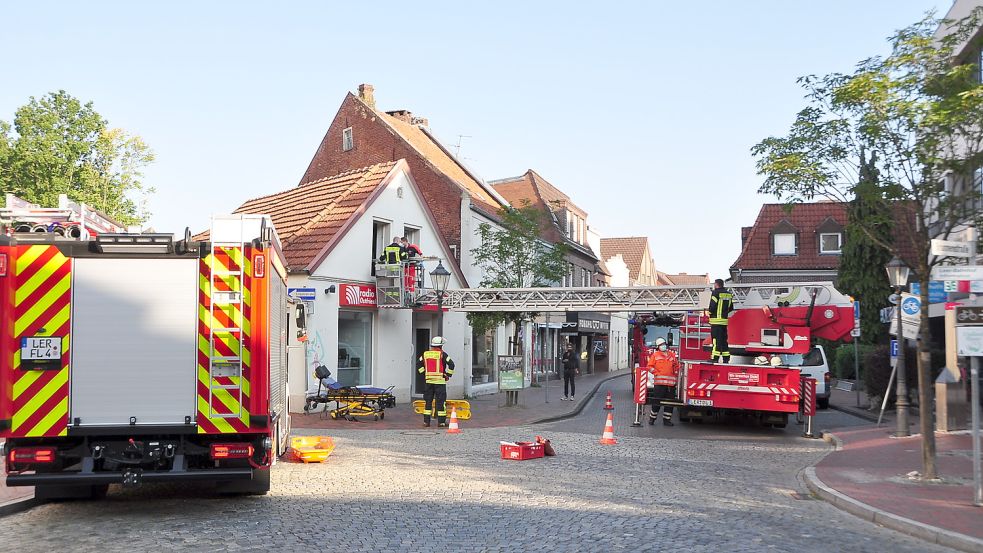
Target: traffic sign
x=856 y=310
x=950 y=248
x=894 y=352
x=302 y=294
x=911 y=307
x=969 y=316
x=957 y=272
x=855 y=333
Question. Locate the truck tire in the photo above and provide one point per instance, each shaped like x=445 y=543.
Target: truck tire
x=822 y=403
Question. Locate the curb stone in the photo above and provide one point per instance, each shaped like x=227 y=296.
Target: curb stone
x=19 y=505
x=877 y=516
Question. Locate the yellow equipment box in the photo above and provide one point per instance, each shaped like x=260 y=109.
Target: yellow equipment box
x=462 y=406
x=312 y=449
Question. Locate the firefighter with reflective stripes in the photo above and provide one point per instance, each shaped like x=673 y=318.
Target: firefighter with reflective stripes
x=663 y=372
x=721 y=304
x=437 y=368
x=394 y=253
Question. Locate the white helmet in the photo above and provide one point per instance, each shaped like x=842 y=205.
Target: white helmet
x=659 y=341
x=437 y=342
x=761 y=360
x=776 y=361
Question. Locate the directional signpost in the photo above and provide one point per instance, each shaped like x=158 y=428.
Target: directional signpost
x=969 y=341
x=856 y=348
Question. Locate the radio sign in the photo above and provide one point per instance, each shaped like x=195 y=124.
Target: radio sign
x=357 y=295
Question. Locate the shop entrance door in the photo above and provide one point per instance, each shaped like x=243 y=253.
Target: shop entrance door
x=422 y=344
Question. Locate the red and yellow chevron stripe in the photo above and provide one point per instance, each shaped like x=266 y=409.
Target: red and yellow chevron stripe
x=230 y=324
x=42 y=305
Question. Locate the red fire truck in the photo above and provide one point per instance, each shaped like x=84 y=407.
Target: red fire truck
x=131 y=358
x=771 y=323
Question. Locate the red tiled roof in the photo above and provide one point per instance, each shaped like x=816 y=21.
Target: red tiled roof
x=632 y=250
x=757 y=250
x=683 y=279
x=308 y=217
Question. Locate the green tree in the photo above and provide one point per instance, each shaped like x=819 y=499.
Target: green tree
x=862 y=262
x=61 y=146
x=515 y=255
x=921 y=112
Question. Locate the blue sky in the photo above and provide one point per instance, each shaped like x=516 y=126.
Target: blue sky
x=643 y=112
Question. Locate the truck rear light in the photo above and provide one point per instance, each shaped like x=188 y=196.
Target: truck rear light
x=787 y=398
x=259 y=266
x=32 y=455
x=231 y=451
x=3 y=264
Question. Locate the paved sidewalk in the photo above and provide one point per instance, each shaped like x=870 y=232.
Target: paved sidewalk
x=486 y=411
x=13 y=499
x=866 y=475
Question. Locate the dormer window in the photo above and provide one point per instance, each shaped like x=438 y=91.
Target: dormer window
x=784 y=244
x=347 y=139
x=784 y=239
x=831 y=243
x=830 y=237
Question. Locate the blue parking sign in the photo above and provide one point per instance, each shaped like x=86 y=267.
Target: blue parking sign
x=894 y=348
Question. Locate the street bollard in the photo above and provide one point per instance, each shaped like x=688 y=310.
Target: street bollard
x=641 y=394
x=809 y=404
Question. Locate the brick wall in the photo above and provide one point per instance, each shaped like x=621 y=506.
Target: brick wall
x=375 y=143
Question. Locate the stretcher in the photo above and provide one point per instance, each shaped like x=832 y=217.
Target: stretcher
x=350 y=401
x=461 y=405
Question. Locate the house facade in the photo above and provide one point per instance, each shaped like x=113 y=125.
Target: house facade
x=634 y=253
x=326 y=227
x=799 y=243
x=565 y=223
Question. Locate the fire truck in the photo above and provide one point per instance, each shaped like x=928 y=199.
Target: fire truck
x=776 y=320
x=770 y=327
x=131 y=358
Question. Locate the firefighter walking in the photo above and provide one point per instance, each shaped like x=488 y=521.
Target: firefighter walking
x=721 y=304
x=437 y=368
x=663 y=375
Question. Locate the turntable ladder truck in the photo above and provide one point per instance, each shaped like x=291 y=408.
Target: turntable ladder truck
x=779 y=318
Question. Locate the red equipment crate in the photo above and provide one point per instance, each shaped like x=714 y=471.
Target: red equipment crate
x=520 y=451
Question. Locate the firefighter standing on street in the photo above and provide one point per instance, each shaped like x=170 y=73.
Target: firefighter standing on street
x=721 y=304
x=437 y=368
x=663 y=375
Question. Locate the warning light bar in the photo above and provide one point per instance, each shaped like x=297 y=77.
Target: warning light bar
x=231 y=451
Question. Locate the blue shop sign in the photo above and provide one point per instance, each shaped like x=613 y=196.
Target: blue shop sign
x=936 y=291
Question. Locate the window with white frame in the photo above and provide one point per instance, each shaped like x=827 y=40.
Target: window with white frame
x=784 y=244
x=830 y=242
x=347 y=139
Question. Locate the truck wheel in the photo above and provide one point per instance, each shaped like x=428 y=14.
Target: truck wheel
x=823 y=403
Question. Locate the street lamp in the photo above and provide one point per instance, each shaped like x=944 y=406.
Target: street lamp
x=441 y=277
x=897 y=275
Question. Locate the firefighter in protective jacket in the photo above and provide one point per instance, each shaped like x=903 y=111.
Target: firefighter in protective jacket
x=721 y=304
x=663 y=373
x=437 y=368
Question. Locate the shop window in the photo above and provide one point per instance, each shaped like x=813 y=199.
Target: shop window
x=484 y=352
x=354 y=347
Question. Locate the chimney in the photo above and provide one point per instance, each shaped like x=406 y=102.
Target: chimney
x=366 y=93
x=401 y=114
x=420 y=121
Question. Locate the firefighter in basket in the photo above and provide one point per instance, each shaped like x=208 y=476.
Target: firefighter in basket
x=437 y=368
x=663 y=373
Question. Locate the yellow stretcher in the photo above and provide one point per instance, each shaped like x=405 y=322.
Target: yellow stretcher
x=461 y=405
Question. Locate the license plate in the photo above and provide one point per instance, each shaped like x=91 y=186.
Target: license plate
x=40 y=348
x=701 y=402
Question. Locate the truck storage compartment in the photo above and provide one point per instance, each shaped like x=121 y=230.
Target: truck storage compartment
x=134 y=331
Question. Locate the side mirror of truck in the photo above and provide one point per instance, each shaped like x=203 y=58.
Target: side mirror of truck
x=669 y=339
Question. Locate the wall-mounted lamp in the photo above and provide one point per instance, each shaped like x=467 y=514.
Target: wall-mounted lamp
x=330 y=289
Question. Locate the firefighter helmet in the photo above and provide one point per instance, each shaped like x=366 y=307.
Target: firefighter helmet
x=659 y=341
x=761 y=360
x=776 y=361
x=437 y=342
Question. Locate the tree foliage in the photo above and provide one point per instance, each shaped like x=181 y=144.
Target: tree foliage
x=57 y=145
x=862 y=261
x=515 y=255
x=921 y=112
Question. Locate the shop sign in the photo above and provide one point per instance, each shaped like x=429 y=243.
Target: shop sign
x=594 y=324
x=357 y=295
x=510 y=374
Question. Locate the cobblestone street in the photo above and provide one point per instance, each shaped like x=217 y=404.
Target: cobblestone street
x=422 y=490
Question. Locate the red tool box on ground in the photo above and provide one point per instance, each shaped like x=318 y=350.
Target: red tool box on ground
x=520 y=451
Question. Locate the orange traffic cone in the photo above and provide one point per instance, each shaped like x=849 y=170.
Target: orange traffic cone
x=453 y=428
x=608 y=437
x=607 y=403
